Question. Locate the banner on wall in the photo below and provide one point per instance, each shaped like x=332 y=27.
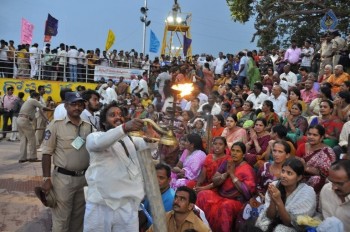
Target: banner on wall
x=52 y=88
x=105 y=73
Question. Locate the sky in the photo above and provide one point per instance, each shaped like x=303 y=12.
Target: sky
x=85 y=23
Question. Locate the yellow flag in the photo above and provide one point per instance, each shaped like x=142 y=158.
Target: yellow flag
x=110 y=39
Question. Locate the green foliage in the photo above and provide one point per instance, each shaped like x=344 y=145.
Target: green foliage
x=241 y=10
x=278 y=21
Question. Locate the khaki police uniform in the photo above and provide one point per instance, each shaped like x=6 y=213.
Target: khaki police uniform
x=41 y=122
x=338 y=44
x=26 y=129
x=326 y=52
x=68 y=177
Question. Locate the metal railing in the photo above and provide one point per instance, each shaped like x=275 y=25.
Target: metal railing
x=49 y=67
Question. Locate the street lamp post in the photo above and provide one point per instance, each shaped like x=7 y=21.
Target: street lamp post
x=146 y=23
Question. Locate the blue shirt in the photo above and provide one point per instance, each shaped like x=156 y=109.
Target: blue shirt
x=243 y=61
x=167 y=198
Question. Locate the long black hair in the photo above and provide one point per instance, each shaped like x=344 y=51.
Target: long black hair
x=196 y=140
x=298 y=167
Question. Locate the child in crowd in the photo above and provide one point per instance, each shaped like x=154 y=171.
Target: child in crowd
x=198 y=127
x=146 y=101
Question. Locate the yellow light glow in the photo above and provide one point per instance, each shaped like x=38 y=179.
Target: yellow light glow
x=185 y=89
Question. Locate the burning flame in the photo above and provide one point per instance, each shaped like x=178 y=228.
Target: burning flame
x=184 y=89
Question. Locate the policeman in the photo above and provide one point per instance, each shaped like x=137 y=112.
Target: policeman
x=65 y=141
x=41 y=119
x=26 y=129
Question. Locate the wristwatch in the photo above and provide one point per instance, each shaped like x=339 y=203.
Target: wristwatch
x=46 y=178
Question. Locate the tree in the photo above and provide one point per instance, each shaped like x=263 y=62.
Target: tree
x=278 y=21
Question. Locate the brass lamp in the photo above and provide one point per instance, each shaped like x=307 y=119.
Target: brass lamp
x=167 y=136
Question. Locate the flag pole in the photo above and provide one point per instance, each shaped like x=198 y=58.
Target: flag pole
x=144 y=31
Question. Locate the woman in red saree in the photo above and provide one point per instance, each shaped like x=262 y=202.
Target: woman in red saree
x=236 y=184
x=211 y=164
x=259 y=140
x=317 y=157
x=218 y=125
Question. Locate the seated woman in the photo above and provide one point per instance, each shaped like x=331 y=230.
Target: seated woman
x=225 y=109
x=140 y=112
x=278 y=133
x=295 y=123
x=331 y=123
x=235 y=181
x=317 y=157
x=271 y=171
x=190 y=164
x=211 y=164
x=151 y=113
x=268 y=79
x=259 y=140
x=268 y=113
x=218 y=125
x=146 y=101
x=295 y=97
x=232 y=132
x=342 y=105
x=237 y=105
x=323 y=94
x=248 y=113
x=287 y=199
x=327 y=72
x=187 y=116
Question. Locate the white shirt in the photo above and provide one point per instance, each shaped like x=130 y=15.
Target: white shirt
x=62 y=54
x=331 y=205
x=284 y=85
x=143 y=85
x=345 y=131
x=60 y=112
x=219 y=65
x=73 y=55
x=33 y=53
x=216 y=109
x=111 y=95
x=306 y=60
x=203 y=98
x=257 y=100
x=103 y=94
x=81 y=58
x=291 y=78
x=133 y=84
x=279 y=104
x=114 y=179
x=161 y=78
x=274 y=58
x=94 y=120
x=3 y=53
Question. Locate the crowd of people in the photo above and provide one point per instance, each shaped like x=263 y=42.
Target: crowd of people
x=277 y=160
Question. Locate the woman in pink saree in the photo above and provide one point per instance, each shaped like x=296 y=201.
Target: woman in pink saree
x=190 y=164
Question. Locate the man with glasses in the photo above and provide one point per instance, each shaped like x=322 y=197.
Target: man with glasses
x=65 y=141
x=335 y=195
